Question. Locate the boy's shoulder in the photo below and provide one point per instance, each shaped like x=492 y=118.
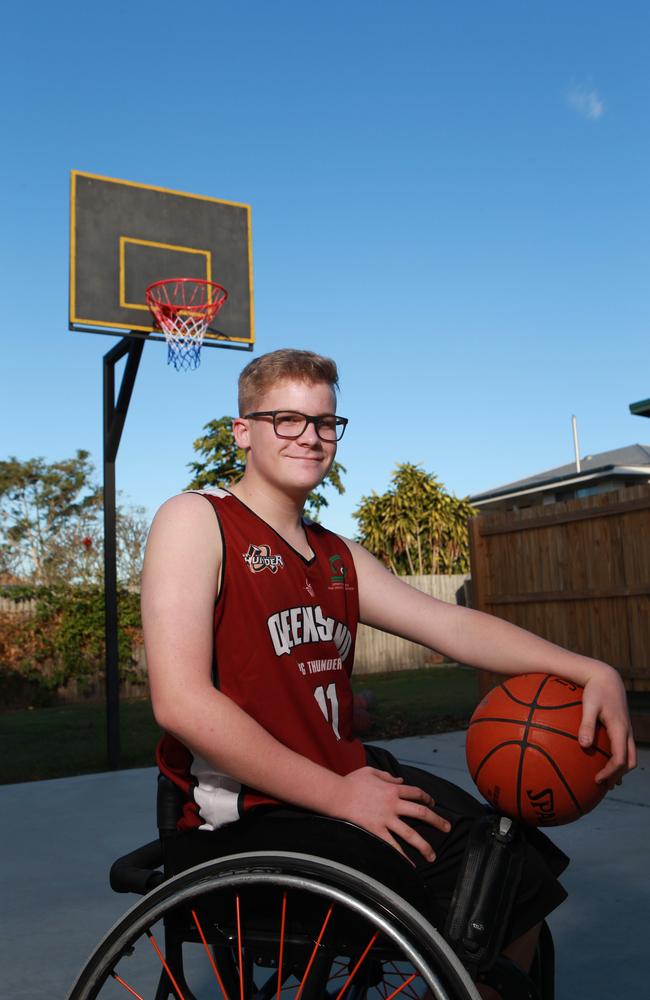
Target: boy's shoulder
x=185 y=512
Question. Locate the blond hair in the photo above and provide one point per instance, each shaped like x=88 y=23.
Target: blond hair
x=300 y=366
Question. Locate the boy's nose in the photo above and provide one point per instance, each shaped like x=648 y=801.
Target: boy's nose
x=309 y=435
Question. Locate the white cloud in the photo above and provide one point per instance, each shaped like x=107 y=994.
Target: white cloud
x=586 y=101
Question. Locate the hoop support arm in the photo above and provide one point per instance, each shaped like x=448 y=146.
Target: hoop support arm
x=114 y=418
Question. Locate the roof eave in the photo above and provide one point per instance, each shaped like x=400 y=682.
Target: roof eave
x=568 y=480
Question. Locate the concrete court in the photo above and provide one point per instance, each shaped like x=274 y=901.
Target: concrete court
x=60 y=837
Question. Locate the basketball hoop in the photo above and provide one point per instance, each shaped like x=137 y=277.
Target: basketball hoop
x=183 y=308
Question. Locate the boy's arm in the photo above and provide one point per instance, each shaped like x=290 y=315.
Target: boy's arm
x=481 y=640
x=179 y=586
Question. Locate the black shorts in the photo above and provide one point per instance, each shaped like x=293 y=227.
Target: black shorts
x=429 y=885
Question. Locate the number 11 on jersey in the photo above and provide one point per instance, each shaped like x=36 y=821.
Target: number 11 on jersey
x=329 y=706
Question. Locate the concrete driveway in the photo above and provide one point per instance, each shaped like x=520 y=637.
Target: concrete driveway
x=60 y=837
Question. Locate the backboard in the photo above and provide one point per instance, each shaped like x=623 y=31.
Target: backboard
x=124 y=236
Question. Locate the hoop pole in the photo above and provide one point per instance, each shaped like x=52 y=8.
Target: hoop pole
x=114 y=418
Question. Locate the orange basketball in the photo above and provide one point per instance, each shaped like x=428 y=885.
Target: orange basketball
x=523 y=752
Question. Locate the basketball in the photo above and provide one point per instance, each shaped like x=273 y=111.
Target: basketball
x=523 y=752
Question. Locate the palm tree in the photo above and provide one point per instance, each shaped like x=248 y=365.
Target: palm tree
x=416 y=527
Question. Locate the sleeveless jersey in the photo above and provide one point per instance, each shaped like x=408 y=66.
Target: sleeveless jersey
x=284 y=634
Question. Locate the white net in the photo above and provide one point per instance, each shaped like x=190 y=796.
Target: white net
x=184 y=336
x=183 y=309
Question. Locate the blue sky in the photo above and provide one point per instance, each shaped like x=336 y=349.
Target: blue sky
x=450 y=199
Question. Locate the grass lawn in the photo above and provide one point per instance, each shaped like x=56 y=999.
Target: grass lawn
x=71 y=739
x=417 y=702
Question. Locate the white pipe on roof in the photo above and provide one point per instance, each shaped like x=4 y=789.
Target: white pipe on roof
x=576 y=446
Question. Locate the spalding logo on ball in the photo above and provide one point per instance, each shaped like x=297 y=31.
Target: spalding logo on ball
x=523 y=751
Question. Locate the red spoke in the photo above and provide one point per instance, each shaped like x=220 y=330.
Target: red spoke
x=316 y=947
x=395 y=974
x=282 y=922
x=402 y=987
x=355 y=969
x=126 y=986
x=165 y=966
x=241 y=965
x=406 y=987
x=209 y=954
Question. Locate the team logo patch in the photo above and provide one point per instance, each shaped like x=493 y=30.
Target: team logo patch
x=259 y=557
x=337 y=569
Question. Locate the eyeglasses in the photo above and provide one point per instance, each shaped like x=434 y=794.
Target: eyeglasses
x=291 y=424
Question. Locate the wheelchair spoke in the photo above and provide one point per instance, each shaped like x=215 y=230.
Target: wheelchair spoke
x=126 y=986
x=391 y=972
x=358 y=965
x=403 y=987
x=337 y=969
x=239 y=952
x=316 y=947
x=281 y=947
x=169 y=972
x=208 y=952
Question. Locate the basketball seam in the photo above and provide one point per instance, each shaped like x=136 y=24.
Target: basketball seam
x=506 y=743
x=524 y=744
x=538 y=725
x=560 y=776
x=569 y=736
x=526 y=704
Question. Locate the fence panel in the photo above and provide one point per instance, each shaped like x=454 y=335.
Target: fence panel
x=26 y=608
x=576 y=573
x=378 y=651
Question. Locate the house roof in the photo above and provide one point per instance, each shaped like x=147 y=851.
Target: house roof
x=632 y=460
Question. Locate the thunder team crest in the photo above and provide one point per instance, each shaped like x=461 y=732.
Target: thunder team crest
x=259 y=558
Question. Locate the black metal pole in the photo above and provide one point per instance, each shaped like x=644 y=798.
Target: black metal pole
x=114 y=417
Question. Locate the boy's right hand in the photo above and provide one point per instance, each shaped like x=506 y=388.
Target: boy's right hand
x=377 y=801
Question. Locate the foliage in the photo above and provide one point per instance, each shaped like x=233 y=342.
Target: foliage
x=61 y=637
x=222 y=463
x=51 y=524
x=416 y=527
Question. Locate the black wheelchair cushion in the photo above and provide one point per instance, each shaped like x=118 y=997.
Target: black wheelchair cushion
x=286 y=829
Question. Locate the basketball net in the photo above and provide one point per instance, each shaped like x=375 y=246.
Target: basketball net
x=183 y=308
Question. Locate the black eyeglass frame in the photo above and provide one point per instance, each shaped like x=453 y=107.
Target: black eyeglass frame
x=340 y=422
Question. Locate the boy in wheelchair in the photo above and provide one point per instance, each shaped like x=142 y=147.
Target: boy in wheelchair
x=250 y=615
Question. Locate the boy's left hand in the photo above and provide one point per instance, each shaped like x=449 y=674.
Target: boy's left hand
x=604 y=700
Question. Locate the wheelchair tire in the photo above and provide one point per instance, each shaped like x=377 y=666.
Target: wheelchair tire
x=273 y=924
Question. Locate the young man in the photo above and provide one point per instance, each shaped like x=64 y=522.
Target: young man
x=250 y=619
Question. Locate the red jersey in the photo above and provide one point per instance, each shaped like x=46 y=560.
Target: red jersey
x=284 y=634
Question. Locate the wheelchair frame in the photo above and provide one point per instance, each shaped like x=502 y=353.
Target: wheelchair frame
x=281 y=924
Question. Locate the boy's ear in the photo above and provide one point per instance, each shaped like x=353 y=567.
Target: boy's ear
x=240 y=432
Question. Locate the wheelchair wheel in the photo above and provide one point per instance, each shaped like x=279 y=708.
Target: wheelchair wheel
x=257 y=926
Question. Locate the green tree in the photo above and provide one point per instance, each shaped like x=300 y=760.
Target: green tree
x=222 y=463
x=416 y=527
x=51 y=524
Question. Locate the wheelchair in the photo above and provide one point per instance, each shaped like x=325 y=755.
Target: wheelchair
x=261 y=922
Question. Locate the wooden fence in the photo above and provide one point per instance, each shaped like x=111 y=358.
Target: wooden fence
x=576 y=573
x=377 y=651
x=26 y=608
